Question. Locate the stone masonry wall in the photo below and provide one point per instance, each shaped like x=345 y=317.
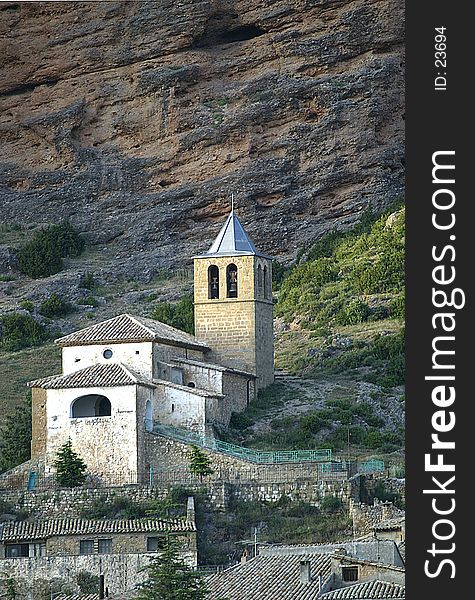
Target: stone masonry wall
x=38 y=422
x=237 y=329
x=121 y=572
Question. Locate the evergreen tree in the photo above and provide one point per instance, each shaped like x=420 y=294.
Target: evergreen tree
x=169 y=578
x=15 y=437
x=200 y=464
x=70 y=468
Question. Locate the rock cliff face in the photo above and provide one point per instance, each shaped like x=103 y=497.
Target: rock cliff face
x=136 y=120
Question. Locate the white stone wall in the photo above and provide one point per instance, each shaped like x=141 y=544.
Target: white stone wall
x=205 y=378
x=106 y=444
x=137 y=356
x=180 y=407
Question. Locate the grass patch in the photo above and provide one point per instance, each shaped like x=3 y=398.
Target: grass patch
x=16 y=368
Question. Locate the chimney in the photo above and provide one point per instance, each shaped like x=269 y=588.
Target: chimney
x=305 y=574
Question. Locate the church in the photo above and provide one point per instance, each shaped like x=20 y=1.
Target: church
x=122 y=376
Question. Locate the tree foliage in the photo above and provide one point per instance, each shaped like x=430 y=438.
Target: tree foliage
x=70 y=468
x=19 y=331
x=200 y=464
x=15 y=437
x=55 y=306
x=169 y=578
x=179 y=315
x=42 y=256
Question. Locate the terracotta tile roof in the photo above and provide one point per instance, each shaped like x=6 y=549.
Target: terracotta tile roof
x=44 y=529
x=102 y=375
x=367 y=591
x=269 y=578
x=126 y=328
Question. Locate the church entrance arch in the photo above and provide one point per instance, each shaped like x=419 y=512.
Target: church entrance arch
x=91 y=405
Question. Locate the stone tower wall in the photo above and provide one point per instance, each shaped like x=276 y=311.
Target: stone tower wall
x=239 y=330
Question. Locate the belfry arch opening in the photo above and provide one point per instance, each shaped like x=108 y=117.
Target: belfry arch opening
x=213 y=282
x=231 y=281
x=91 y=405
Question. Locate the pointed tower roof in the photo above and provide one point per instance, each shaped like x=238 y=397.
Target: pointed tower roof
x=232 y=240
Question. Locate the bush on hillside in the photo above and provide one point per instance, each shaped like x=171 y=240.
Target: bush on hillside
x=19 y=331
x=43 y=255
x=55 y=306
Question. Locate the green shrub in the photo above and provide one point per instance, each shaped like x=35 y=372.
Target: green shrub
x=27 y=305
x=331 y=504
x=240 y=421
x=88 y=583
x=355 y=312
x=20 y=331
x=87 y=282
x=55 y=306
x=398 y=307
x=179 y=315
x=88 y=301
x=43 y=255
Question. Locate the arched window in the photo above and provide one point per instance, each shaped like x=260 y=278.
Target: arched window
x=266 y=283
x=91 y=405
x=232 y=281
x=148 y=416
x=213 y=282
x=260 y=291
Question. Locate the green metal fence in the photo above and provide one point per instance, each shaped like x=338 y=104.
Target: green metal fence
x=371 y=466
x=352 y=467
x=254 y=456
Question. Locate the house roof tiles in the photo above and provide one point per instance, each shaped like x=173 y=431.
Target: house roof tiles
x=40 y=530
x=127 y=328
x=270 y=578
x=101 y=375
x=368 y=590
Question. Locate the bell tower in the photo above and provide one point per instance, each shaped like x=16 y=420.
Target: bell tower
x=233 y=302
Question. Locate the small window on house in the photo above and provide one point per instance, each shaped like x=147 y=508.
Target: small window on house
x=17 y=550
x=86 y=547
x=232 y=281
x=349 y=573
x=154 y=544
x=105 y=546
x=173 y=408
x=191 y=384
x=137 y=352
x=213 y=282
x=107 y=353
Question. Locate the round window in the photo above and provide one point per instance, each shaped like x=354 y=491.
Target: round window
x=107 y=353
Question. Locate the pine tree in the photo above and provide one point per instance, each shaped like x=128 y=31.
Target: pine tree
x=70 y=468
x=169 y=578
x=200 y=464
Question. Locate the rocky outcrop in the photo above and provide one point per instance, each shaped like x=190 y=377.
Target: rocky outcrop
x=136 y=120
